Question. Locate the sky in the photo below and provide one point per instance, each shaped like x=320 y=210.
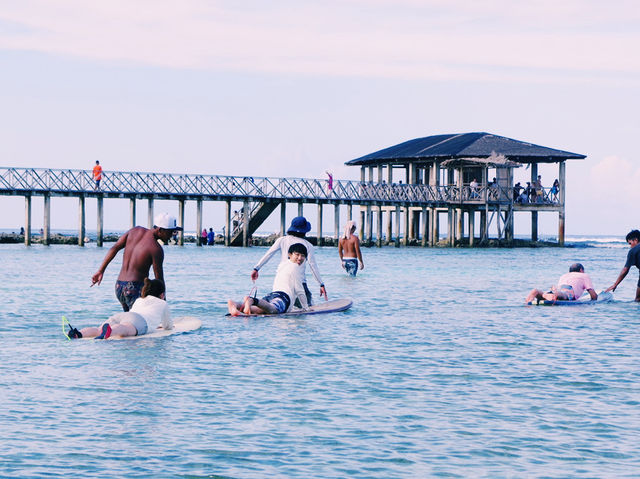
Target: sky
x=293 y=88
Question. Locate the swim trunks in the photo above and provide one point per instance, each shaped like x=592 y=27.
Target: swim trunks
x=135 y=319
x=567 y=290
x=351 y=265
x=127 y=292
x=280 y=300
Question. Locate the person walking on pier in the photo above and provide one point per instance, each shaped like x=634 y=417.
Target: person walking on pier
x=349 y=249
x=295 y=234
x=141 y=251
x=97 y=175
x=633 y=259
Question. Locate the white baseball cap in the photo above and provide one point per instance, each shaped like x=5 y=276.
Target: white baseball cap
x=166 y=222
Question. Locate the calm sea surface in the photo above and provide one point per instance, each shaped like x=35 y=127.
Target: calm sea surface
x=438 y=370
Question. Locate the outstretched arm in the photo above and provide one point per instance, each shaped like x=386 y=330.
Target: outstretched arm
x=340 y=252
x=358 y=253
x=622 y=275
x=593 y=294
x=113 y=251
x=275 y=247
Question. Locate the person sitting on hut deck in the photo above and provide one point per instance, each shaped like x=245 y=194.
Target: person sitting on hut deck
x=569 y=288
x=287 y=287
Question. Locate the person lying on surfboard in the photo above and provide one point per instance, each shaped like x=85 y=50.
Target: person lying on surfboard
x=287 y=286
x=569 y=288
x=148 y=313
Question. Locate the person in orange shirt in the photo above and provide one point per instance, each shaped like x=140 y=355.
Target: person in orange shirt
x=97 y=175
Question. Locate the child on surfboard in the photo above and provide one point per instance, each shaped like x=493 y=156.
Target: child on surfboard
x=287 y=286
x=148 y=313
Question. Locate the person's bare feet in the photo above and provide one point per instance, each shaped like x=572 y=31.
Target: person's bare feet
x=233 y=310
x=246 y=307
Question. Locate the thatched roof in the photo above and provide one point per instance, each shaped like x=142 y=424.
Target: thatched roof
x=493 y=161
x=464 y=145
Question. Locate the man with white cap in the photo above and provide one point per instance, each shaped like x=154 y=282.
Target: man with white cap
x=141 y=251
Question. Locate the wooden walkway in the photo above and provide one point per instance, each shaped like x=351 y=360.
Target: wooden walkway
x=258 y=193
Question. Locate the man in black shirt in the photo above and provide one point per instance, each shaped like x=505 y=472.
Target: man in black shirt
x=633 y=259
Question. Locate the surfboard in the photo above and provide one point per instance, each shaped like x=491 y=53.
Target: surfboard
x=584 y=299
x=324 y=307
x=180 y=325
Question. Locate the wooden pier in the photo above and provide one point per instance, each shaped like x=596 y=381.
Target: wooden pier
x=433 y=186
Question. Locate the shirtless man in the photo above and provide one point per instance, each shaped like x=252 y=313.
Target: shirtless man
x=349 y=249
x=570 y=287
x=141 y=251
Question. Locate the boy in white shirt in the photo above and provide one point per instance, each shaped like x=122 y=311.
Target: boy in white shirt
x=287 y=286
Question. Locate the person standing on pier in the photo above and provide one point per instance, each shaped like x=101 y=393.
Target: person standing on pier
x=141 y=251
x=97 y=175
x=633 y=259
x=295 y=234
x=349 y=249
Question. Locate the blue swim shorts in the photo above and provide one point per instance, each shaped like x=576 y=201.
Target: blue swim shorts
x=127 y=292
x=280 y=300
x=351 y=265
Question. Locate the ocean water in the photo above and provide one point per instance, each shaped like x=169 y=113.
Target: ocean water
x=438 y=370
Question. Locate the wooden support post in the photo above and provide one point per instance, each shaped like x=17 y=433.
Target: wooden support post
x=181 y=222
x=132 y=212
x=245 y=223
x=389 y=225
x=371 y=174
x=199 y=222
x=27 y=220
x=283 y=218
x=300 y=209
x=380 y=167
x=459 y=224
x=47 y=220
x=100 y=221
x=349 y=212
x=319 y=241
x=451 y=227
x=433 y=217
x=425 y=226
x=472 y=226
x=362 y=174
x=534 y=214
x=81 y=219
x=362 y=225
x=397 y=235
x=227 y=224
x=369 y=225
x=336 y=222
x=389 y=178
x=150 y=218
x=411 y=224
x=561 y=197
x=407 y=227
x=484 y=233
x=379 y=232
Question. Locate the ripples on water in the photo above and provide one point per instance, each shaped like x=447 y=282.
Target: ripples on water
x=437 y=370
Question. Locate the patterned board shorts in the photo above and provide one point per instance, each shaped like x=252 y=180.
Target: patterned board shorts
x=351 y=265
x=280 y=300
x=127 y=292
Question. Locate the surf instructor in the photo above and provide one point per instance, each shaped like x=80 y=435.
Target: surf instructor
x=141 y=251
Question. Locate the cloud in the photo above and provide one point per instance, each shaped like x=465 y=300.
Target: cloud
x=615 y=179
x=487 y=41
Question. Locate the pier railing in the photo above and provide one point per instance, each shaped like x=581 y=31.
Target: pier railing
x=39 y=181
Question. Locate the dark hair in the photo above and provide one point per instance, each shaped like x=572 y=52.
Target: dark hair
x=296 y=234
x=298 y=248
x=152 y=287
x=633 y=234
x=575 y=268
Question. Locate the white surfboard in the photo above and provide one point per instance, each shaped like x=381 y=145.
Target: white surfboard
x=322 y=307
x=180 y=325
